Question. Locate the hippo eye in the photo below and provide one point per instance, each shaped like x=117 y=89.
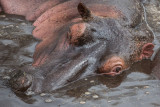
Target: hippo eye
x=117 y=69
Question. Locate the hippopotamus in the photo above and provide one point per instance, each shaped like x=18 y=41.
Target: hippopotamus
x=80 y=38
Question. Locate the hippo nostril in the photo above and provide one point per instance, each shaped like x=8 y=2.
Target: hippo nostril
x=21 y=81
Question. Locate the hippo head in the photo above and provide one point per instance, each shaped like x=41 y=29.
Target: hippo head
x=95 y=44
x=123 y=45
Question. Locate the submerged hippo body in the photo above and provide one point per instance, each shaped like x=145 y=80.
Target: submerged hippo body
x=81 y=38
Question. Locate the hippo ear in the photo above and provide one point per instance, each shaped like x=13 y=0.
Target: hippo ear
x=147 y=51
x=84 y=12
x=76 y=32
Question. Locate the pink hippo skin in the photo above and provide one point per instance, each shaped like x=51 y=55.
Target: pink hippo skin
x=31 y=9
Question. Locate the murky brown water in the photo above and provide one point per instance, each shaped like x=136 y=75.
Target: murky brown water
x=133 y=90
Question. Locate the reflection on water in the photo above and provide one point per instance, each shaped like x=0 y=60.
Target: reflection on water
x=135 y=87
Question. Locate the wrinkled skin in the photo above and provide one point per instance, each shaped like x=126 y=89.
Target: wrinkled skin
x=81 y=39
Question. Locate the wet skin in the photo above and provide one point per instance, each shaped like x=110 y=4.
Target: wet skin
x=92 y=44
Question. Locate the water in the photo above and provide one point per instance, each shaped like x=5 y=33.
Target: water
x=133 y=90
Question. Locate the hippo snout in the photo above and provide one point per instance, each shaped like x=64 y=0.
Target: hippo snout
x=21 y=81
